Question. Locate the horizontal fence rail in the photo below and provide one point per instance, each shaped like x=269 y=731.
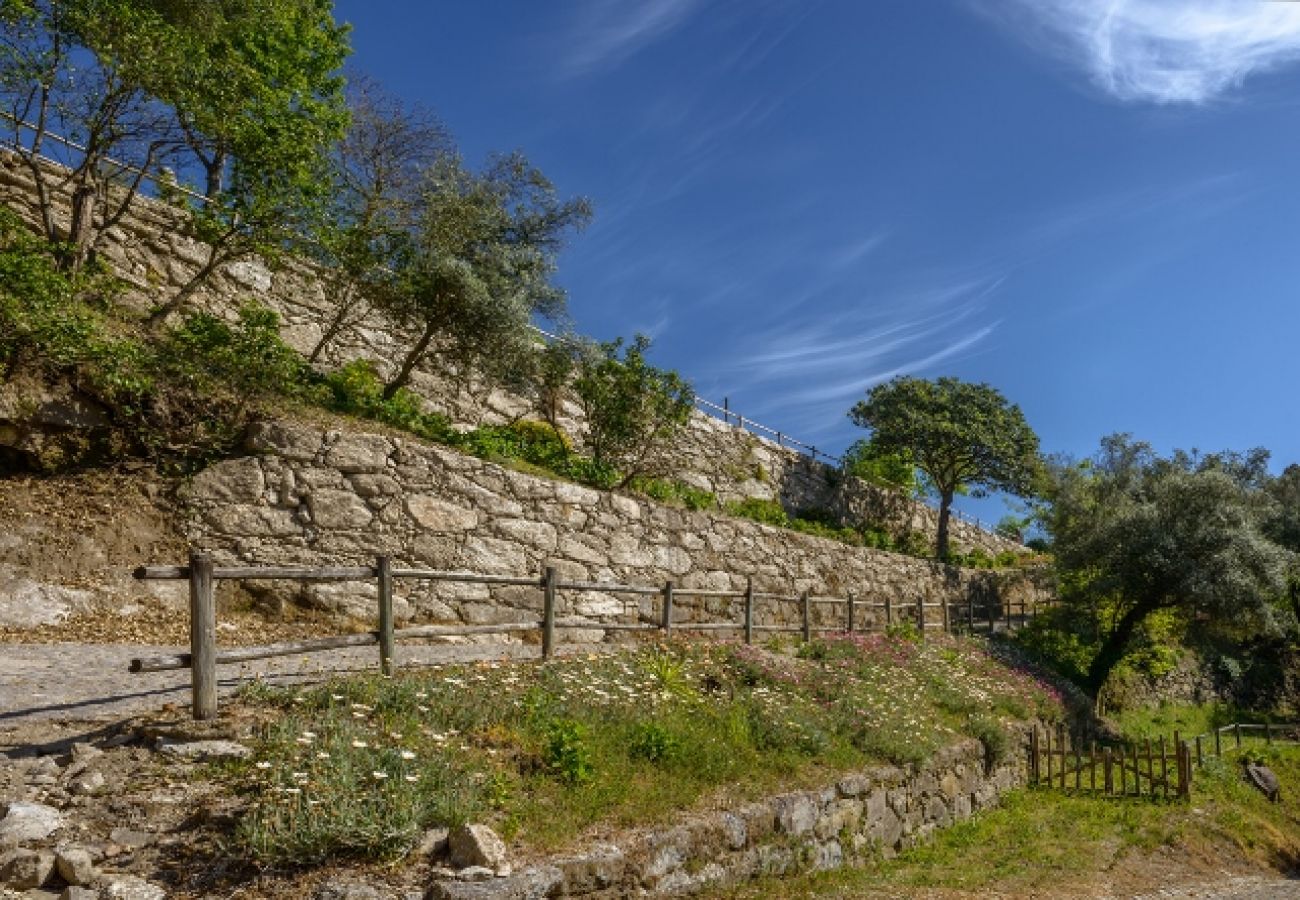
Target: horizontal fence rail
x=204 y=656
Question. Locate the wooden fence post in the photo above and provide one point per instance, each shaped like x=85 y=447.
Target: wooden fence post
x=1109 y=782
x=1218 y=741
x=1033 y=755
x=1236 y=728
x=807 y=617
x=920 y=617
x=988 y=609
x=947 y=625
x=850 y=613
x=1185 y=788
x=889 y=611
x=548 y=612
x=1200 y=756
x=203 y=637
x=749 y=611
x=384 y=569
x=667 y=622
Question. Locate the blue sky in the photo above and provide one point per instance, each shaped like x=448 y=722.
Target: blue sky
x=1093 y=205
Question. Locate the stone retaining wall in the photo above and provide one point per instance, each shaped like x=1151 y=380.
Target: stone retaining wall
x=314 y=497
x=151 y=250
x=877 y=812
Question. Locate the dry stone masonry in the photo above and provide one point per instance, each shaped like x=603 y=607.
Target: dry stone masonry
x=152 y=252
x=314 y=497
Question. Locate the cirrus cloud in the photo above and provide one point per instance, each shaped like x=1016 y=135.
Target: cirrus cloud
x=1163 y=51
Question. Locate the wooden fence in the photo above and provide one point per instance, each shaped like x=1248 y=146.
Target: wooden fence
x=204 y=656
x=1150 y=768
x=1141 y=768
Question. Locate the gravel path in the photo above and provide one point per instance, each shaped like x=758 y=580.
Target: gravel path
x=46 y=682
x=1236 y=887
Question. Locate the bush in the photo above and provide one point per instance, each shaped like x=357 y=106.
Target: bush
x=357 y=389
x=567 y=753
x=769 y=512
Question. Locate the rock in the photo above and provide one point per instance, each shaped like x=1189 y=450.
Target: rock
x=130 y=887
x=796 y=814
x=27 y=822
x=204 y=751
x=83 y=752
x=475 y=873
x=476 y=845
x=345 y=889
x=434 y=842
x=74 y=892
x=131 y=839
x=598 y=868
x=25 y=603
x=75 y=865
x=24 y=869
x=531 y=884
x=90 y=783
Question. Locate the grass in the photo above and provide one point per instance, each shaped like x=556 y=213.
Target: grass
x=358 y=768
x=1042 y=840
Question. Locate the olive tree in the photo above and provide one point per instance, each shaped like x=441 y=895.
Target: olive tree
x=960 y=435
x=480 y=263
x=1133 y=534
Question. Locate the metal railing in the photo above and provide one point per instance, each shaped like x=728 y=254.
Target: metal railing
x=723 y=412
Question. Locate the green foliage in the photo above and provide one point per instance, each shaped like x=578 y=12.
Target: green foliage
x=356 y=389
x=654 y=742
x=632 y=409
x=480 y=264
x=866 y=460
x=567 y=752
x=769 y=512
x=958 y=434
x=674 y=493
x=998 y=745
x=1142 y=534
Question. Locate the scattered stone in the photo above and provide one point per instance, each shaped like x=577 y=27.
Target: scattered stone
x=27 y=822
x=25 y=869
x=132 y=839
x=75 y=892
x=345 y=889
x=89 y=784
x=130 y=887
x=531 y=884
x=204 y=751
x=75 y=865
x=600 y=867
x=476 y=845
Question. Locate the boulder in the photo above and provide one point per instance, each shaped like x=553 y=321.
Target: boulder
x=27 y=822
x=26 y=869
x=476 y=845
x=130 y=887
x=75 y=865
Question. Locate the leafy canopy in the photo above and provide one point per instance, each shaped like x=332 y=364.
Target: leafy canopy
x=1134 y=533
x=957 y=433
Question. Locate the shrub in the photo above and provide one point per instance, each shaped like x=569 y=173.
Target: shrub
x=632 y=409
x=652 y=741
x=769 y=512
x=357 y=389
x=567 y=753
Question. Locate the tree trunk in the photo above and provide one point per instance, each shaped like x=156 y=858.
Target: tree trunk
x=335 y=326
x=403 y=376
x=945 y=511
x=83 y=223
x=1113 y=648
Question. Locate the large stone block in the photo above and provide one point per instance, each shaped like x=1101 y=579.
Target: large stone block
x=434 y=514
x=338 y=509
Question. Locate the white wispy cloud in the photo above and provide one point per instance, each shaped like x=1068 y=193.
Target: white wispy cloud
x=1163 y=51
x=610 y=31
x=814 y=371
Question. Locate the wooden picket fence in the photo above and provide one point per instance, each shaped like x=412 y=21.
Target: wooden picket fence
x=1136 y=769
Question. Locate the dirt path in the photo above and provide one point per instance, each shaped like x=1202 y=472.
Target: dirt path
x=86 y=682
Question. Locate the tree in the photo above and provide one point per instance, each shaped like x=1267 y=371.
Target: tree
x=958 y=434
x=242 y=97
x=1283 y=526
x=481 y=262
x=259 y=100
x=631 y=409
x=80 y=70
x=1134 y=534
x=376 y=173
